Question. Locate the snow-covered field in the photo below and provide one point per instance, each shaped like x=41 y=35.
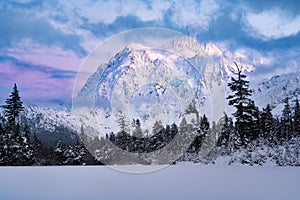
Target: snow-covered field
x=183 y=181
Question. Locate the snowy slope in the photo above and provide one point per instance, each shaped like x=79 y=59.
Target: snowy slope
x=185 y=69
x=146 y=80
x=207 y=59
x=273 y=91
x=51 y=125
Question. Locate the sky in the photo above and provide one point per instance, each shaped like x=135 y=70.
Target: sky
x=43 y=43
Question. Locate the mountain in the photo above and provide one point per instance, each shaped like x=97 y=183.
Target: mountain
x=115 y=88
x=273 y=91
x=51 y=125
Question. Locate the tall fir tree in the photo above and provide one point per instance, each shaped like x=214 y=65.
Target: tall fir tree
x=1 y=129
x=286 y=121
x=123 y=124
x=15 y=148
x=296 y=118
x=157 y=127
x=82 y=137
x=137 y=129
x=255 y=122
x=244 y=105
x=225 y=131
x=13 y=106
x=267 y=124
x=204 y=124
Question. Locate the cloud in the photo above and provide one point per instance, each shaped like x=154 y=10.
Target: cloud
x=257 y=6
x=273 y=24
x=18 y=24
x=40 y=55
x=108 y=11
x=46 y=41
x=39 y=82
x=193 y=13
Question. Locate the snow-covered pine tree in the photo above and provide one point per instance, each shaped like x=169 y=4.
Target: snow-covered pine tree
x=277 y=127
x=168 y=134
x=244 y=105
x=286 y=121
x=267 y=124
x=225 y=131
x=82 y=136
x=204 y=124
x=158 y=131
x=137 y=130
x=202 y=132
x=123 y=124
x=199 y=133
x=15 y=148
x=255 y=122
x=296 y=118
x=13 y=106
x=157 y=127
x=232 y=136
x=1 y=129
x=211 y=138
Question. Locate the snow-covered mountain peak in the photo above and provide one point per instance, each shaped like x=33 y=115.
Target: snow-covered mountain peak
x=212 y=49
x=273 y=91
x=219 y=59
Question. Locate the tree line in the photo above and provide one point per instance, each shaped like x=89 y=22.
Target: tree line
x=20 y=144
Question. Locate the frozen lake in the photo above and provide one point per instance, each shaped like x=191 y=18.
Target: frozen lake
x=181 y=181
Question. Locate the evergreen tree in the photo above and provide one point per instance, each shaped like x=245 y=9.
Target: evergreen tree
x=245 y=107
x=123 y=124
x=83 y=136
x=137 y=130
x=200 y=134
x=277 y=128
x=223 y=139
x=158 y=131
x=13 y=106
x=59 y=150
x=168 y=134
x=27 y=132
x=1 y=129
x=174 y=130
x=157 y=127
x=184 y=130
x=255 y=122
x=36 y=141
x=232 y=136
x=36 y=146
x=267 y=124
x=212 y=136
x=286 y=121
x=204 y=124
x=15 y=147
x=297 y=118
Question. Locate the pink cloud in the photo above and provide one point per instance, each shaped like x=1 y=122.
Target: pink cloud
x=35 y=84
x=52 y=56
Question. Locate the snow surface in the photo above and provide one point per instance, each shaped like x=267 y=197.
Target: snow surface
x=183 y=181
